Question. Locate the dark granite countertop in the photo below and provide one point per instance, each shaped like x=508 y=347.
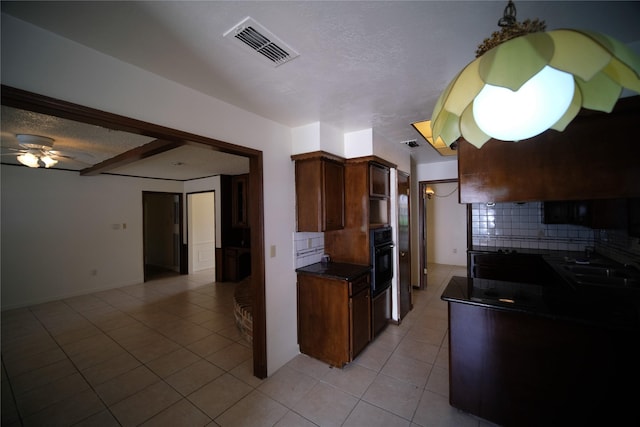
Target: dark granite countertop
x=597 y=306
x=335 y=270
x=527 y=251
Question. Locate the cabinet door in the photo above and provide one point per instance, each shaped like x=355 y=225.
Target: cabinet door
x=557 y=165
x=333 y=195
x=323 y=319
x=381 y=311
x=609 y=214
x=378 y=180
x=319 y=195
x=239 y=209
x=230 y=265
x=360 y=317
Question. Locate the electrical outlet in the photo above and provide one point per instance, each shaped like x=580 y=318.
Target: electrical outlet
x=273 y=251
x=455 y=250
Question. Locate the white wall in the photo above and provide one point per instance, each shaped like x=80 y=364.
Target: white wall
x=424 y=172
x=446 y=226
x=41 y=62
x=64 y=235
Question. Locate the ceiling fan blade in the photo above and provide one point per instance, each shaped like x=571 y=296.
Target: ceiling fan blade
x=15 y=150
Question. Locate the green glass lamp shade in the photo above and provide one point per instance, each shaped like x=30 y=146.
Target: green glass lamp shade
x=532 y=83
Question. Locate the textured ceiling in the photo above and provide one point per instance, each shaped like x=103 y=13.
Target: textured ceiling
x=87 y=145
x=362 y=64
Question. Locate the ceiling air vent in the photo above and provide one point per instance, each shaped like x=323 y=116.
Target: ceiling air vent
x=251 y=35
x=411 y=143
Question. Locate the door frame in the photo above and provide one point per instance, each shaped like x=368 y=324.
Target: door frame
x=422 y=226
x=407 y=179
x=182 y=259
x=166 y=139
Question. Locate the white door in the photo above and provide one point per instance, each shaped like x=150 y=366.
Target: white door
x=201 y=231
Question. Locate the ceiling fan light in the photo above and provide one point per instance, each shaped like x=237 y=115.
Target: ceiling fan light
x=48 y=161
x=28 y=159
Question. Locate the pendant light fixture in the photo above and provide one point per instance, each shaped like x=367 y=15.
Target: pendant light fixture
x=525 y=80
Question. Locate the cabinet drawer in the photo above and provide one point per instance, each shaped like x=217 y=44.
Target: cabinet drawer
x=359 y=284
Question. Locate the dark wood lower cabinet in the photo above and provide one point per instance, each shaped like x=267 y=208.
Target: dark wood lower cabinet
x=517 y=369
x=334 y=317
x=237 y=263
x=381 y=311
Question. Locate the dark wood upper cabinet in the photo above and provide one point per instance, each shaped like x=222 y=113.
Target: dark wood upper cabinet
x=319 y=192
x=362 y=210
x=378 y=180
x=596 y=157
x=239 y=206
x=598 y=214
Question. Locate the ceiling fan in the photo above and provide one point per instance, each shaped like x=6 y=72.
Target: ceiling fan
x=36 y=151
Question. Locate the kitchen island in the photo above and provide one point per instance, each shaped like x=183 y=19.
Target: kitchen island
x=563 y=351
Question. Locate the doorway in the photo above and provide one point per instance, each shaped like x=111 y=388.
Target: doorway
x=442 y=226
x=201 y=231
x=162 y=234
x=404 y=246
x=166 y=139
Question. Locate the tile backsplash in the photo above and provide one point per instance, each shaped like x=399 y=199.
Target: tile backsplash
x=519 y=225
x=308 y=247
x=617 y=245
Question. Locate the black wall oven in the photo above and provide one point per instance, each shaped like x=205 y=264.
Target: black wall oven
x=381 y=245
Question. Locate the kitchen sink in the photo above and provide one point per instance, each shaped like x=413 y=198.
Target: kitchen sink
x=584 y=279
x=600 y=271
x=603 y=276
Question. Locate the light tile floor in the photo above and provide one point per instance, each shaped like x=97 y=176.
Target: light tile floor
x=167 y=353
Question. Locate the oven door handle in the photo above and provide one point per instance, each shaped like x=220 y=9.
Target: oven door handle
x=383 y=248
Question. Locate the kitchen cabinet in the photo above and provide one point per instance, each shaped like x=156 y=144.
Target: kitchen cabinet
x=319 y=192
x=334 y=317
x=566 y=212
x=239 y=207
x=609 y=214
x=237 y=263
x=381 y=311
x=598 y=214
x=519 y=369
x=378 y=194
x=378 y=180
x=596 y=157
x=366 y=207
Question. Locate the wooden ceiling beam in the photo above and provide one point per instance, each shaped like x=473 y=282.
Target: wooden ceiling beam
x=142 y=152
